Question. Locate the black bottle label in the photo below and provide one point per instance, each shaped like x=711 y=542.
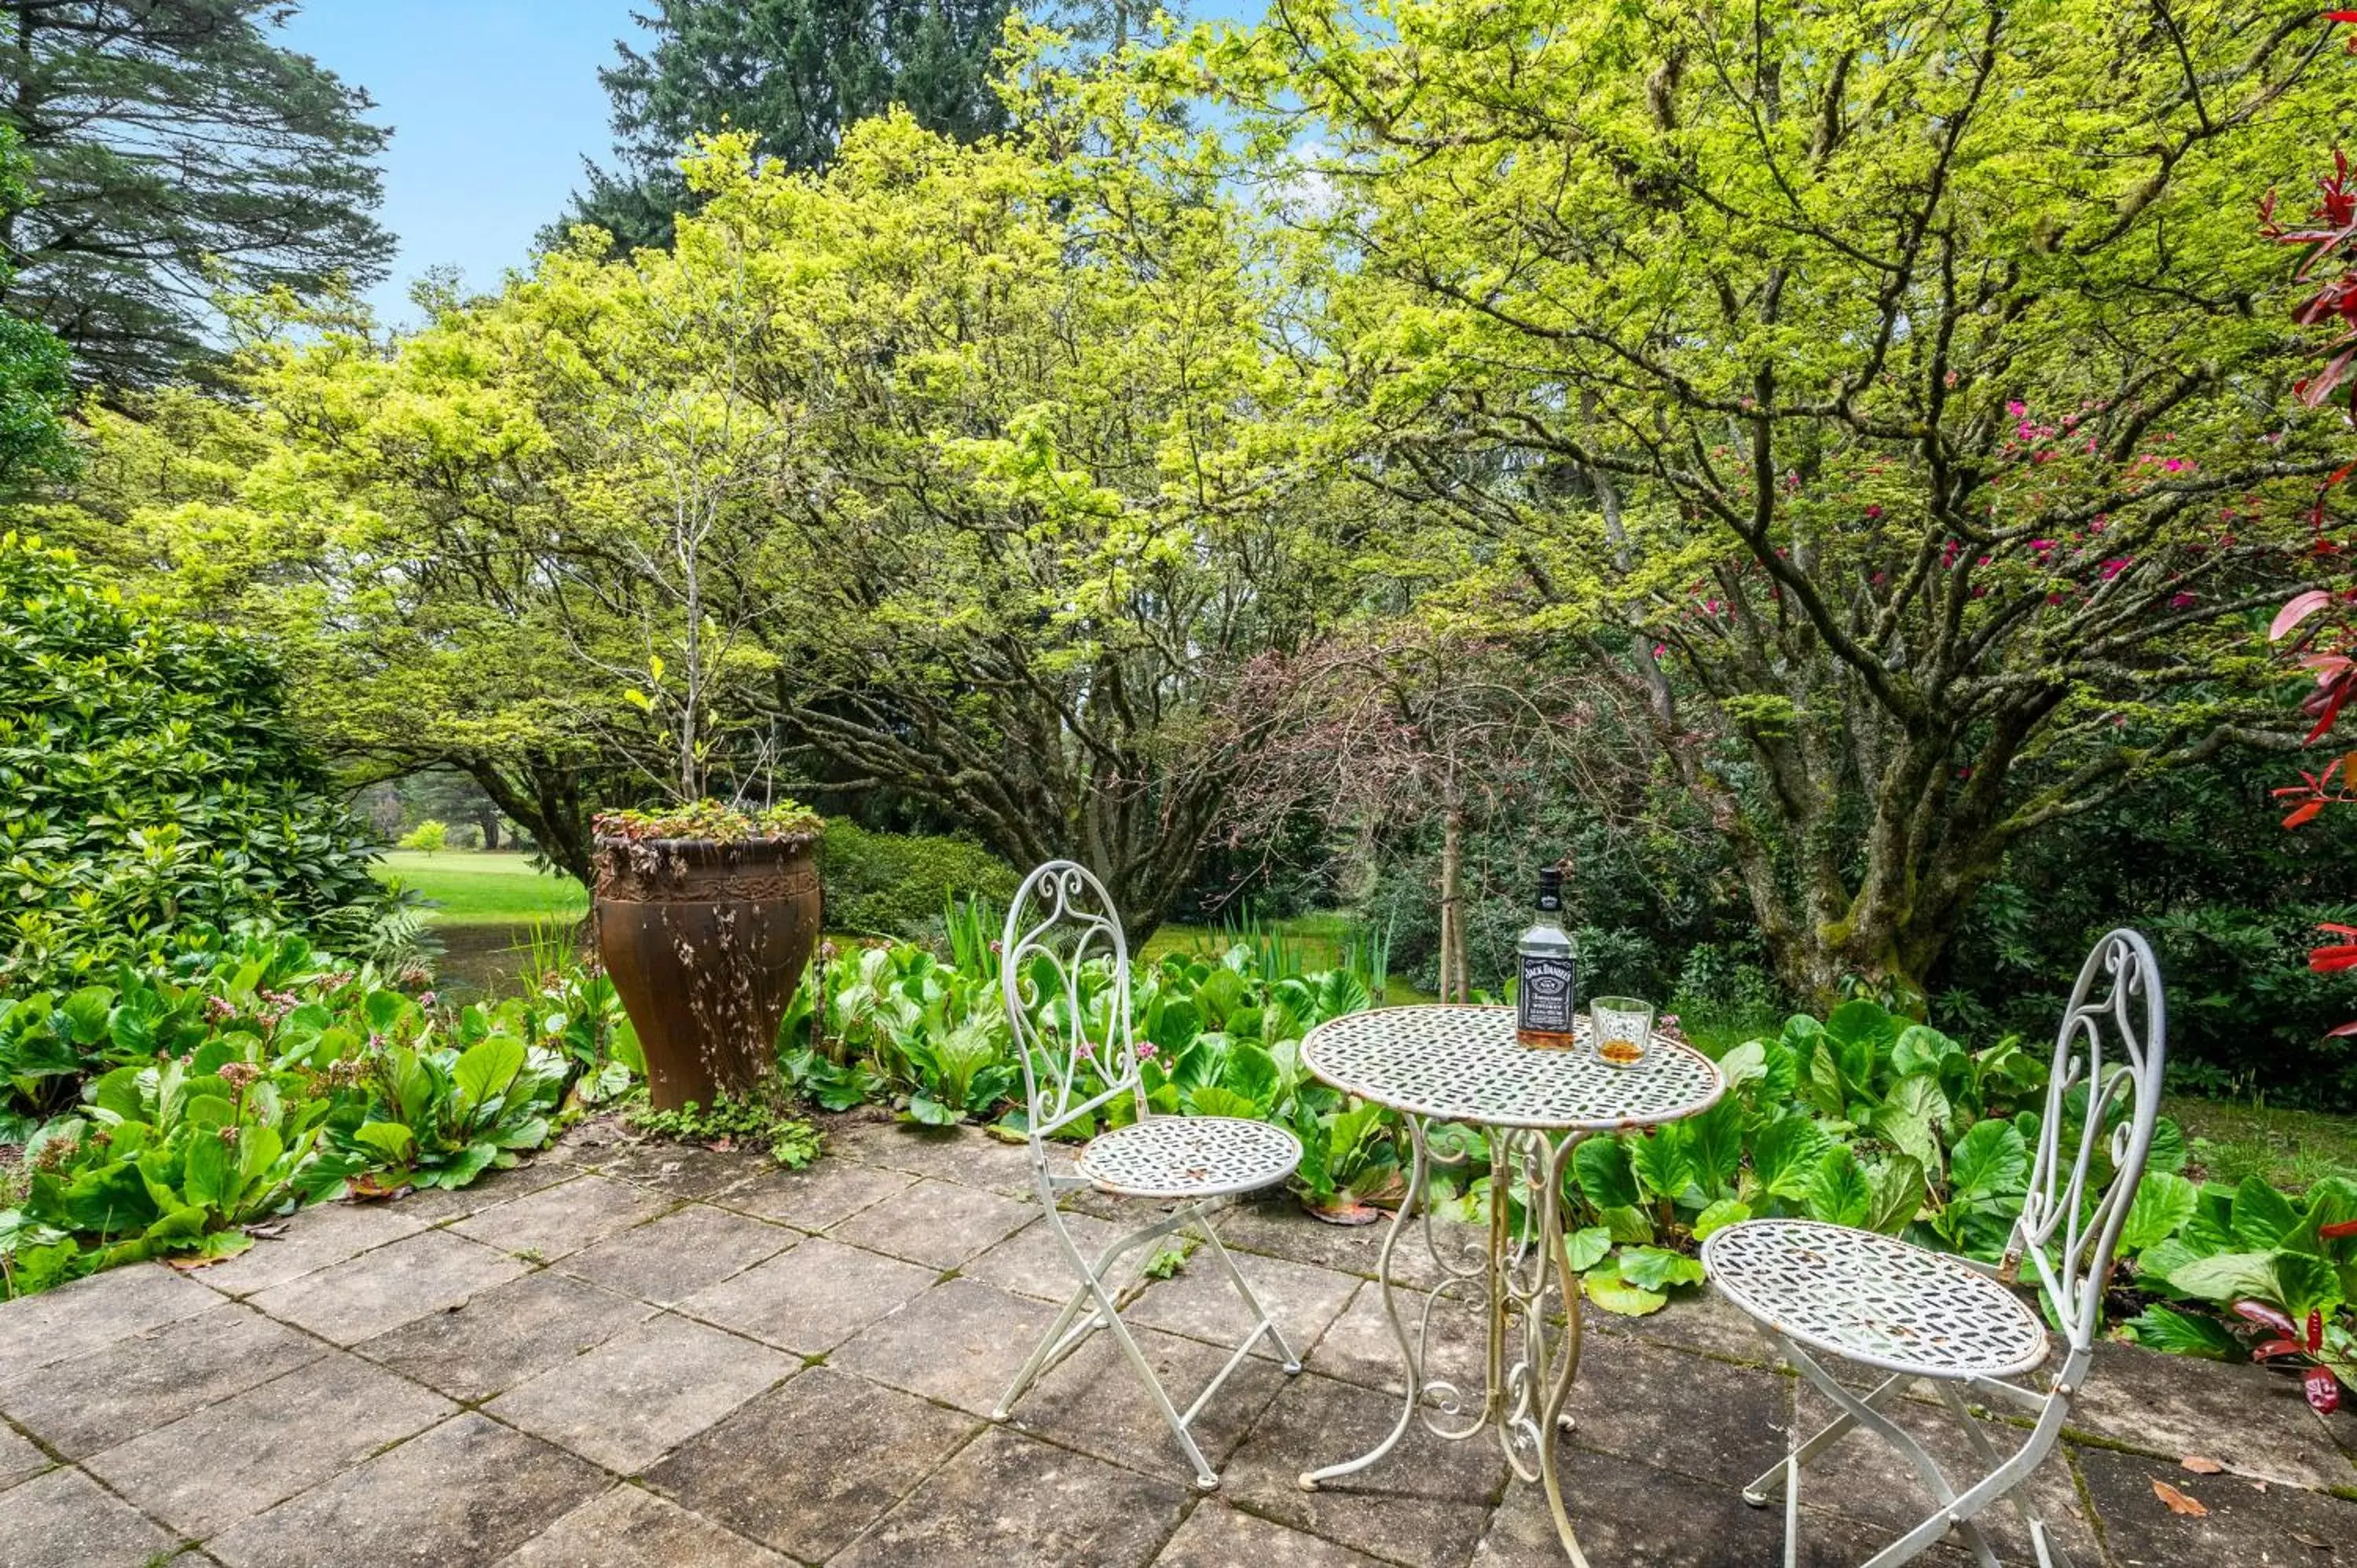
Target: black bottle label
x=1546 y=998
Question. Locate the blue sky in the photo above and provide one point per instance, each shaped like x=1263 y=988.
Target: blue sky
x=492 y=103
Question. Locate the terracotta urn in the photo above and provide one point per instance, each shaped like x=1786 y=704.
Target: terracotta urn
x=706 y=941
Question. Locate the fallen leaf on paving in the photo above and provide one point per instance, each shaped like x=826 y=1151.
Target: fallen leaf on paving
x=2201 y=1466
x=2177 y=1501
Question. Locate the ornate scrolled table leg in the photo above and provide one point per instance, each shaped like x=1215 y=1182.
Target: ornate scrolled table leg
x=1526 y=1385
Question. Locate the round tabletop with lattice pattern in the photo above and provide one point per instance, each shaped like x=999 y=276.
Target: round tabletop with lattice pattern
x=1463 y=1064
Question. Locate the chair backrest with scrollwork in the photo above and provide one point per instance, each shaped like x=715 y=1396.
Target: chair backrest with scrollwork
x=1064 y=969
x=2113 y=1041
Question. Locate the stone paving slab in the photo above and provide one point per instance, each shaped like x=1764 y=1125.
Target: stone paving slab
x=634 y=1333
x=811 y=1298
x=1033 y=1262
x=827 y=1193
x=463 y=1495
x=803 y=1500
x=20 y=1458
x=1010 y=1503
x=643 y=1392
x=499 y=1337
x=937 y=1223
x=110 y=1395
x=65 y=1518
x=329 y=1234
x=627 y=1528
x=1096 y=1402
x=363 y=1296
x=1201 y=1303
x=73 y=1320
x=669 y=1259
x=206 y=1471
x=560 y=1220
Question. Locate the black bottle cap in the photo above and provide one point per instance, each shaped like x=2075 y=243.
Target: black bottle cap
x=1550 y=888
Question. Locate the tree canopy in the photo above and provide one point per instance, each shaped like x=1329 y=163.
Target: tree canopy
x=176 y=148
x=954 y=470
x=1894 y=401
x=33 y=379
x=793 y=74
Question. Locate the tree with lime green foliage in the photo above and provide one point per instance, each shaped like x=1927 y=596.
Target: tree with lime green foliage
x=955 y=465
x=155 y=786
x=428 y=837
x=1888 y=400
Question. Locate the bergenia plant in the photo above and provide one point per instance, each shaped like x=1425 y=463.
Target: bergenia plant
x=2325 y=1348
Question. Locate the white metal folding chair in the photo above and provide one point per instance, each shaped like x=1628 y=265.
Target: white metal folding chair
x=1060 y=926
x=1915 y=1315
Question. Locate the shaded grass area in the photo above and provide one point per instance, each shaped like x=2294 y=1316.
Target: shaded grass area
x=2231 y=1139
x=478 y=886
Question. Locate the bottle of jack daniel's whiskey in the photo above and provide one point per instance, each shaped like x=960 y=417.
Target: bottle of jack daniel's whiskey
x=1546 y=995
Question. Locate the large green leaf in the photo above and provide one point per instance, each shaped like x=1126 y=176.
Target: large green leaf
x=1605 y=1177
x=1862 y=1024
x=1212 y=1100
x=390 y=1140
x=2161 y=1328
x=1630 y=1224
x=210 y=1176
x=1911 y=1114
x=1745 y=1064
x=1714 y=1140
x=1990 y=1161
x=2163 y=1202
x=1784 y=1155
x=1826 y=1090
x=1896 y=1188
x=1921 y=1049
x=1719 y=1217
x=1608 y=1290
x=1837 y=1191
x=1586 y=1248
x=485 y=1069
x=2261 y=1215
x=1252 y=1072
x=1658 y=1268
x=2305 y=1284
x=2227 y=1276
x=1662 y=1161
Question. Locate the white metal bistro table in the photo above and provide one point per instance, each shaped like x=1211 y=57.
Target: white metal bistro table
x=1462 y=1064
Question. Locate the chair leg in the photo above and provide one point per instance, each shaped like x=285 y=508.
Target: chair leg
x=1056 y=1344
x=1950 y=1515
x=1202 y=1220
x=1758 y=1493
x=1103 y=1312
x=2050 y=1552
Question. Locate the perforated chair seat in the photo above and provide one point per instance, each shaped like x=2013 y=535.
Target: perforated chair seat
x=1875 y=1299
x=1189 y=1157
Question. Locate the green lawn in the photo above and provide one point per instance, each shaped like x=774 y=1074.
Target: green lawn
x=2231 y=1138
x=473 y=887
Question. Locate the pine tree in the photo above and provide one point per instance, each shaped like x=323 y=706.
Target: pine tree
x=33 y=385
x=177 y=147
x=795 y=73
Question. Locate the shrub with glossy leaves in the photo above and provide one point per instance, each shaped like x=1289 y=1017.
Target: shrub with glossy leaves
x=154 y=786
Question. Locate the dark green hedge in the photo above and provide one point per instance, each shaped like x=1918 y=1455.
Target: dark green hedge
x=152 y=782
x=895 y=884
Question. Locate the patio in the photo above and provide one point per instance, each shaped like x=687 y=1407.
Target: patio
x=640 y=1355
